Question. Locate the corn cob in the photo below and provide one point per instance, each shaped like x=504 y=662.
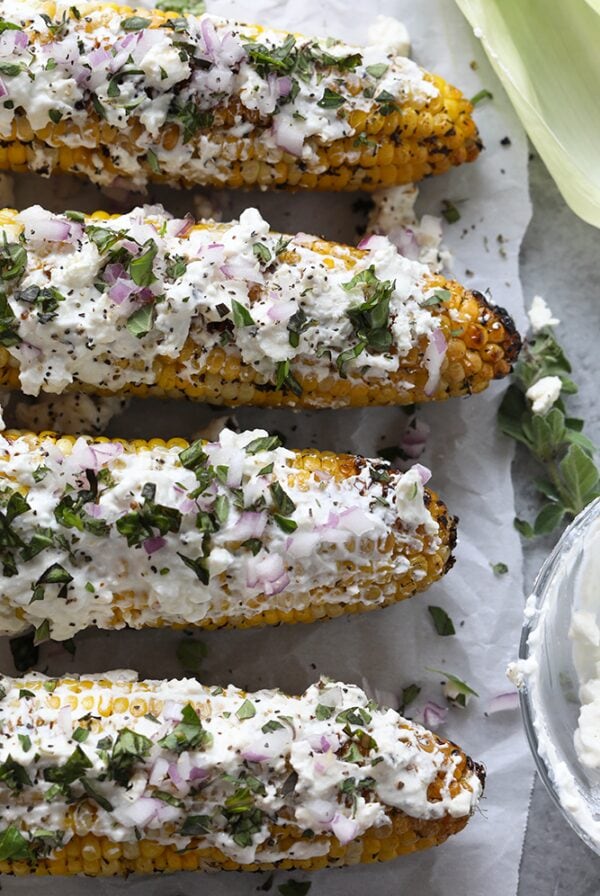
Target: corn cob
x=233 y=314
x=237 y=532
x=116 y=776
x=149 y=95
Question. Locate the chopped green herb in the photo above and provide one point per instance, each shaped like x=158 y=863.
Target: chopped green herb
x=13 y=845
x=13 y=260
x=323 y=712
x=241 y=315
x=297 y=324
x=134 y=23
x=409 y=695
x=262 y=252
x=94 y=794
x=196 y=825
x=246 y=711
x=140 y=267
x=285 y=379
x=482 y=95
x=571 y=479
x=462 y=689
x=198 y=565
x=263 y=443
x=183 y=7
x=438 y=298
x=129 y=747
x=294 y=888
x=25 y=742
x=141 y=321
x=281 y=500
x=73 y=769
x=443 y=624
x=355 y=715
x=153 y=162
x=378 y=70
x=14 y=775
x=331 y=99
x=189 y=734
x=24 y=652
x=450 y=212
x=272 y=725
x=499 y=569
x=81 y=734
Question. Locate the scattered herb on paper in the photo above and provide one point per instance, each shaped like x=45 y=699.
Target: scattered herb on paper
x=409 y=695
x=190 y=654
x=499 y=569
x=294 y=888
x=481 y=95
x=570 y=478
x=441 y=620
x=456 y=691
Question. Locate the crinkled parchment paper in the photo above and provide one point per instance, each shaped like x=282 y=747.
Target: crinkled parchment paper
x=393 y=648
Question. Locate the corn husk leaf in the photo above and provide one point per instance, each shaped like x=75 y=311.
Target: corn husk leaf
x=546 y=53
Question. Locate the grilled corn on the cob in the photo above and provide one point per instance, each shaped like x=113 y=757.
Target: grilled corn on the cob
x=109 y=776
x=233 y=314
x=236 y=532
x=107 y=92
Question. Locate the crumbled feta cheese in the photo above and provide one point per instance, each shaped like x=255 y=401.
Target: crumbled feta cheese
x=540 y=315
x=544 y=393
x=389 y=34
x=394 y=215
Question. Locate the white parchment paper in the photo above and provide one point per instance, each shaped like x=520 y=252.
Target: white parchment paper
x=390 y=649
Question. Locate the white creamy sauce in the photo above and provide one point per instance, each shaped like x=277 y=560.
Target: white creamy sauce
x=84 y=284
x=270 y=551
x=299 y=754
x=580 y=799
x=186 y=75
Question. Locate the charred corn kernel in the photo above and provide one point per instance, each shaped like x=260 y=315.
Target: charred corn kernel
x=198 y=142
x=360 y=561
x=442 y=784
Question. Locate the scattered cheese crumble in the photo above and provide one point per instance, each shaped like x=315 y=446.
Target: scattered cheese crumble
x=544 y=393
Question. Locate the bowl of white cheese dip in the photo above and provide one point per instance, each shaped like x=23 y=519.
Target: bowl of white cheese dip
x=558 y=674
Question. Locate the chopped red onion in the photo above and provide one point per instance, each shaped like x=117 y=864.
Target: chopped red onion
x=209 y=36
x=374 y=242
x=345 y=829
x=231 y=51
x=405 y=241
x=21 y=39
x=104 y=452
x=121 y=291
x=423 y=473
x=198 y=774
x=434 y=715
x=175 y=776
x=159 y=771
x=414 y=439
x=504 y=702
x=284 y=85
x=253 y=756
x=250 y=525
x=240 y=270
x=265 y=569
x=281 y=311
x=151 y=545
x=185 y=225
x=3 y=90
x=112 y=272
x=98 y=56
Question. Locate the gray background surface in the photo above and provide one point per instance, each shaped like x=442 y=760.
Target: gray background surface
x=559 y=261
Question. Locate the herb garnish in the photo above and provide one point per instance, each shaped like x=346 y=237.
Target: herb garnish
x=555 y=440
x=441 y=620
x=129 y=747
x=189 y=734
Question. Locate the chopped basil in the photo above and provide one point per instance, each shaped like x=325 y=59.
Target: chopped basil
x=13 y=845
x=461 y=687
x=153 y=162
x=246 y=711
x=13 y=260
x=94 y=794
x=192 y=119
x=10 y=69
x=42 y=632
x=281 y=500
x=355 y=715
x=482 y=95
x=387 y=103
x=24 y=652
x=323 y=712
x=55 y=575
x=331 y=99
x=183 y=7
x=264 y=443
x=13 y=775
x=198 y=565
x=167 y=797
x=438 y=298
x=129 y=747
x=189 y=734
x=378 y=70
x=141 y=321
x=25 y=742
x=73 y=769
x=286 y=525
x=272 y=725
x=241 y=315
x=442 y=622
x=176 y=267
x=9 y=324
x=450 y=212
x=297 y=324
x=262 y=252
x=253 y=544
x=195 y=825
x=140 y=267
x=81 y=734
x=499 y=569
x=282 y=244
x=25 y=694
x=193 y=456
x=409 y=695
x=135 y=23
x=285 y=379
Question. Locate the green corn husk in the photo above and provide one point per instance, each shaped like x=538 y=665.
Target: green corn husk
x=547 y=55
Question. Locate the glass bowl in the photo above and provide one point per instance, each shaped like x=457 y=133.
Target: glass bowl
x=549 y=695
